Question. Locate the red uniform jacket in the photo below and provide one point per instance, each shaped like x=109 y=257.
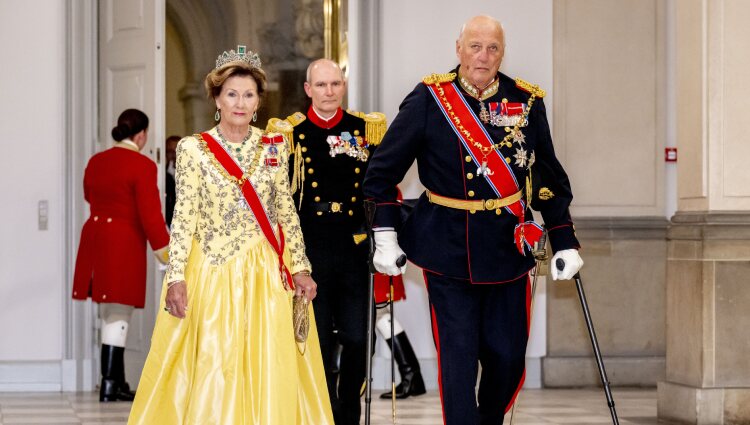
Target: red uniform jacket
x=120 y=185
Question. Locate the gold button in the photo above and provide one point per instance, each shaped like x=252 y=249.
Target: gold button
x=109 y=219
x=507 y=160
x=96 y=218
x=320 y=212
x=354 y=199
x=470 y=193
x=335 y=207
x=472 y=212
x=356 y=170
x=314 y=184
x=356 y=184
x=104 y=297
x=307 y=160
x=310 y=171
x=356 y=132
x=351 y=212
x=317 y=199
x=302 y=137
x=505 y=100
x=304 y=148
x=469 y=176
x=499 y=211
x=468 y=158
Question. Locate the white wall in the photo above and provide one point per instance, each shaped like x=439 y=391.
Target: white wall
x=417 y=38
x=32 y=110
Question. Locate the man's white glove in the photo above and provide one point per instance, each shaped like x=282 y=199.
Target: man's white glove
x=387 y=252
x=573 y=263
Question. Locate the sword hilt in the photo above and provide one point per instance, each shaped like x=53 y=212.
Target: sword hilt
x=540 y=253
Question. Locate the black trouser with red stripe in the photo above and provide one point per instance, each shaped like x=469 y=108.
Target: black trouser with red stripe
x=475 y=324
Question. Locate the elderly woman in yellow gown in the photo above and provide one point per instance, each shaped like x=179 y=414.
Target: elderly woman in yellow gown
x=223 y=350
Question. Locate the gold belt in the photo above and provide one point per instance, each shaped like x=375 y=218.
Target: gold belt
x=474 y=205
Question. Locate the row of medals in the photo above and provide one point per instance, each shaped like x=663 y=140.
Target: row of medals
x=521 y=156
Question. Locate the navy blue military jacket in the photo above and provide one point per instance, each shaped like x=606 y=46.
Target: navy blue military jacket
x=475 y=246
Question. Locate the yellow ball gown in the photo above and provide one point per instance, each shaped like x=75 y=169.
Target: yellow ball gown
x=233 y=358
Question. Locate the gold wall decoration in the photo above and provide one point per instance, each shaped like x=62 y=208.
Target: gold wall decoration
x=335 y=32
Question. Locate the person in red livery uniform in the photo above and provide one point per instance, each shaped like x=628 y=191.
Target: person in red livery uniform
x=484 y=152
x=120 y=186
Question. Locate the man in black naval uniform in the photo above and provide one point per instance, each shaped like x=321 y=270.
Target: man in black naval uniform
x=331 y=149
x=484 y=153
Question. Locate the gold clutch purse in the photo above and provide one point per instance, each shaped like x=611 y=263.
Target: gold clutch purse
x=300 y=319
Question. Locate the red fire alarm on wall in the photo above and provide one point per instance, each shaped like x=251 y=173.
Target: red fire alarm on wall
x=670 y=154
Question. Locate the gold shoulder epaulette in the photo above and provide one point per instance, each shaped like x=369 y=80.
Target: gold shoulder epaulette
x=284 y=127
x=439 y=78
x=296 y=118
x=375 y=125
x=530 y=88
x=357 y=114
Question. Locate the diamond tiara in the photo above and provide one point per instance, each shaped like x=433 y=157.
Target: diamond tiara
x=242 y=54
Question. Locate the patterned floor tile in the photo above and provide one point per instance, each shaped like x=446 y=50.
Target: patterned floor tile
x=535 y=407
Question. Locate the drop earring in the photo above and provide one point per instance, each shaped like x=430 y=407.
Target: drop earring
x=255 y=116
x=217 y=115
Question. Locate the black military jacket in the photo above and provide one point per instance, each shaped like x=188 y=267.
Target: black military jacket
x=329 y=199
x=476 y=246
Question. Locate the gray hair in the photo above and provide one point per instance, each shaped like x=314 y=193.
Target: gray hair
x=498 y=23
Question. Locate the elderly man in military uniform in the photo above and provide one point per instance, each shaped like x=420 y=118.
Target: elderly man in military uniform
x=484 y=151
x=331 y=149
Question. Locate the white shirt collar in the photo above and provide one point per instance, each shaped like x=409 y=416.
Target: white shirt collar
x=130 y=143
x=321 y=116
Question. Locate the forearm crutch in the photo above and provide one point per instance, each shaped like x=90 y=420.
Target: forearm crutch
x=560 y=264
x=369 y=216
x=393 y=341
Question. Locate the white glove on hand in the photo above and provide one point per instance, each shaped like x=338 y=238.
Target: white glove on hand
x=573 y=263
x=387 y=252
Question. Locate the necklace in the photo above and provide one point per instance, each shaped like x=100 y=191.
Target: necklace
x=234 y=147
x=481 y=94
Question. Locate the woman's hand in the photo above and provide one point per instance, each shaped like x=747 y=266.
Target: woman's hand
x=176 y=299
x=305 y=285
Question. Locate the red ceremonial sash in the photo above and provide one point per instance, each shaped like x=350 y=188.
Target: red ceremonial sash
x=251 y=196
x=475 y=139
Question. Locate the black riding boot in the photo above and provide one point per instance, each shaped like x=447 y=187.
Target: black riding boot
x=113 y=386
x=408 y=366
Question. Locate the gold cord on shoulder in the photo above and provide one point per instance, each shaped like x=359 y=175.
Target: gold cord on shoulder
x=298 y=174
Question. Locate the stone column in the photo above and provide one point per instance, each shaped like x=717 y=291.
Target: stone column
x=708 y=291
x=199 y=111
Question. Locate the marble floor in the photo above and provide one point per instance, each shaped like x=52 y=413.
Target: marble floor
x=536 y=407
